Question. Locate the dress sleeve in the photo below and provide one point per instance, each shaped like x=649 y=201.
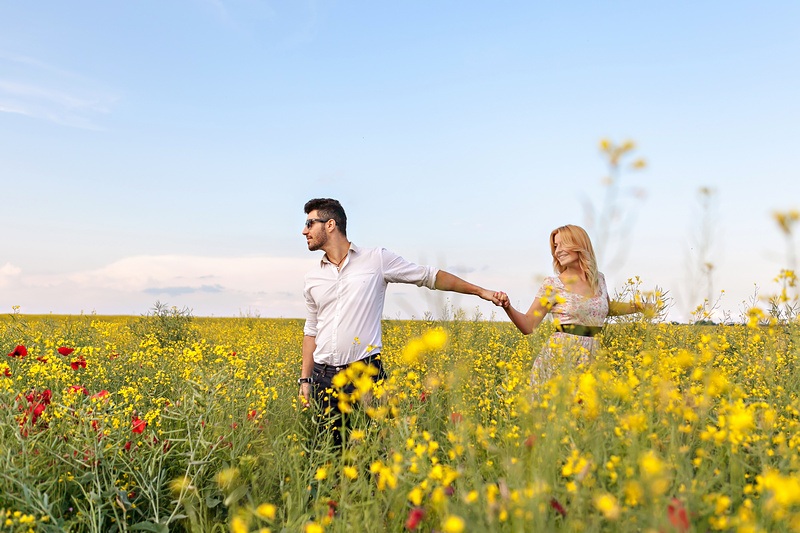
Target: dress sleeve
x=548 y=292
x=601 y=279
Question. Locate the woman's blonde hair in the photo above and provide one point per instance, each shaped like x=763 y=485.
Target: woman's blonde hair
x=575 y=239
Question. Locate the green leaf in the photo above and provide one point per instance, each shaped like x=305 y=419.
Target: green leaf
x=236 y=495
x=150 y=526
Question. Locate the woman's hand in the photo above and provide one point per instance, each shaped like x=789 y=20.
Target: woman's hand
x=501 y=299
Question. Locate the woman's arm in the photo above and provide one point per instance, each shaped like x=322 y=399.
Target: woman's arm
x=617 y=308
x=525 y=322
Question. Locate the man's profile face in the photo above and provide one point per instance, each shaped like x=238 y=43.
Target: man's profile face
x=316 y=236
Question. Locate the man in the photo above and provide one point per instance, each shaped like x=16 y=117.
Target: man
x=345 y=296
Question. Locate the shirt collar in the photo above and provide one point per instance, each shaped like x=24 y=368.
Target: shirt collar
x=322 y=262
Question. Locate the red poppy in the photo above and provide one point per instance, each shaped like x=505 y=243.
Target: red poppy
x=555 y=504
x=63 y=350
x=7 y=372
x=252 y=414
x=79 y=388
x=138 y=425
x=37 y=402
x=100 y=395
x=415 y=516
x=455 y=418
x=332 y=508
x=677 y=515
x=19 y=351
x=80 y=362
x=423 y=396
x=38 y=409
x=127 y=446
x=42 y=359
x=529 y=442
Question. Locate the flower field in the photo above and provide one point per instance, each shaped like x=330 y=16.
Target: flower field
x=171 y=423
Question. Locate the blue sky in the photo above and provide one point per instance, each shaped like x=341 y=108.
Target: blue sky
x=163 y=151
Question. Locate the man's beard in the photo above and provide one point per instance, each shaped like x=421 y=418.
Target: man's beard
x=319 y=243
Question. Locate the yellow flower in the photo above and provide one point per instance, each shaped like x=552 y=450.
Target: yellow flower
x=415 y=496
x=225 y=477
x=339 y=380
x=179 y=484
x=266 y=511
x=313 y=527
x=350 y=472
x=786 y=220
x=321 y=473
x=453 y=524
x=607 y=505
x=633 y=493
x=651 y=465
x=435 y=339
x=239 y=525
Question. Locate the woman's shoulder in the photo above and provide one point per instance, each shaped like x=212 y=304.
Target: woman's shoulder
x=551 y=281
x=549 y=284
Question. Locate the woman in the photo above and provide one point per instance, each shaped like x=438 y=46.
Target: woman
x=576 y=297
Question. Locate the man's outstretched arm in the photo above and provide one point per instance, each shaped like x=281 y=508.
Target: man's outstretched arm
x=446 y=281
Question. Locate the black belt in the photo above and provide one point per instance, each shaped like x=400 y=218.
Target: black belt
x=577 y=329
x=329 y=370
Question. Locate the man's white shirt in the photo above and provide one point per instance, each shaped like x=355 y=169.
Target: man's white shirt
x=345 y=305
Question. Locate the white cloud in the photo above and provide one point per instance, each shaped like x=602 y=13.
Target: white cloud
x=7 y=272
x=210 y=286
x=231 y=273
x=226 y=286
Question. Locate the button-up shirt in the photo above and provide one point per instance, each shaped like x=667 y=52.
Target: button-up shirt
x=345 y=305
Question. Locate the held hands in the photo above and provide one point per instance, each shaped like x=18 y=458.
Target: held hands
x=490 y=296
x=498 y=298
x=501 y=300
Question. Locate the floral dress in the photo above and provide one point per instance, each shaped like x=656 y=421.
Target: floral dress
x=569 y=308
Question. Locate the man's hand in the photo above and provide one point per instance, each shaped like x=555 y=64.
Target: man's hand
x=490 y=296
x=305 y=394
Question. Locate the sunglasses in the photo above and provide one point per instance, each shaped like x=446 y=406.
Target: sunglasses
x=310 y=221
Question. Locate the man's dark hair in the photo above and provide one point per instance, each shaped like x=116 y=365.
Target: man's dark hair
x=328 y=208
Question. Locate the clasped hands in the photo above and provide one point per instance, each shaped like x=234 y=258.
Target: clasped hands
x=498 y=298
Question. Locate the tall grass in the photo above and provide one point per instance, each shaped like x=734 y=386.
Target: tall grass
x=672 y=428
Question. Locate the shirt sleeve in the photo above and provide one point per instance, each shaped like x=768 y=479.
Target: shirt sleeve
x=310 y=328
x=398 y=270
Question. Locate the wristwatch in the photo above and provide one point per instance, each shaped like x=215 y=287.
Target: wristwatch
x=305 y=380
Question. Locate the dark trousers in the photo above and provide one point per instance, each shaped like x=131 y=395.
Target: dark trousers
x=332 y=417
